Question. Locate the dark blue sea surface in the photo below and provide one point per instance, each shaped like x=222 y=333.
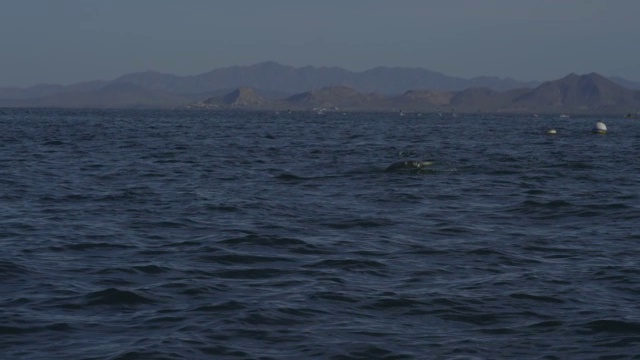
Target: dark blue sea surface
x=249 y=235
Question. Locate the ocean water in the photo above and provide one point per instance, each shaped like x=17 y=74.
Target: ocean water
x=248 y=235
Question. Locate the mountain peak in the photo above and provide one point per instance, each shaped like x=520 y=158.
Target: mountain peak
x=570 y=77
x=579 y=93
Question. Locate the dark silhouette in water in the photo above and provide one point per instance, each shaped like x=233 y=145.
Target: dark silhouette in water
x=408 y=165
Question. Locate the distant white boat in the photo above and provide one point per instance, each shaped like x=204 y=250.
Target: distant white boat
x=564 y=116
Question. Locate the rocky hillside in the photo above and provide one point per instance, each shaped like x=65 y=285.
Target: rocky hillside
x=586 y=94
x=239 y=98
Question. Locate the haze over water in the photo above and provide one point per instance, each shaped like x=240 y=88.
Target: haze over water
x=244 y=235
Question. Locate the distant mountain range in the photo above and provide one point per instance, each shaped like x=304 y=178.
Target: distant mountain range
x=573 y=94
x=270 y=85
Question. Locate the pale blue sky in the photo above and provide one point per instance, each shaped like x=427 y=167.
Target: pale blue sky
x=66 y=41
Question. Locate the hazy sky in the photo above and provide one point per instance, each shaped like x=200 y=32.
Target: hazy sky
x=66 y=41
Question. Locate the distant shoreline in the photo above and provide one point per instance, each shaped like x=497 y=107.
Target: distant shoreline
x=327 y=114
x=278 y=87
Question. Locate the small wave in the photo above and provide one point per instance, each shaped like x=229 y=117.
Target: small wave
x=613 y=326
x=448 y=229
x=578 y=165
x=444 y=302
x=394 y=303
x=156 y=355
x=504 y=172
x=484 y=319
x=162 y=224
x=151 y=269
x=9 y=269
x=547 y=324
x=334 y=297
x=186 y=243
x=274 y=318
x=17 y=228
x=485 y=252
x=290 y=177
x=553 y=204
x=15 y=330
x=54 y=143
x=65 y=198
x=251 y=274
x=23 y=330
x=612 y=206
x=223 y=208
x=266 y=241
x=231 y=306
x=548 y=299
x=563 y=208
x=544 y=210
x=115 y=297
x=374 y=352
x=90 y=246
x=359 y=223
x=221 y=350
x=353 y=265
x=241 y=259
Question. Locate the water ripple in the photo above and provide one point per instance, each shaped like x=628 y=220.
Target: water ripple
x=251 y=235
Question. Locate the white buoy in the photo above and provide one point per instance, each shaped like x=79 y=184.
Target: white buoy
x=552 y=132
x=600 y=128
